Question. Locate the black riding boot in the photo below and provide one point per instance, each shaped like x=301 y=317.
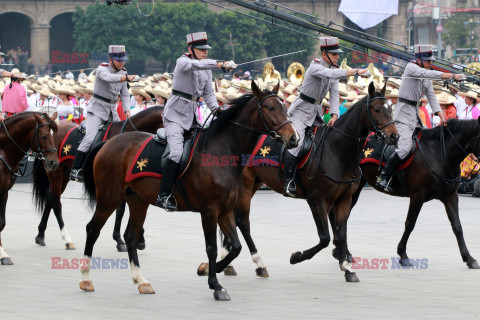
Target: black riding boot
x=76 y=173
x=384 y=179
x=166 y=189
x=290 y=189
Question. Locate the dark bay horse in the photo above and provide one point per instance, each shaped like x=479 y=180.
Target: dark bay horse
x=18 y=134
x=48 y=186
x=329 y=178
x=212 y=190
x=433 y=174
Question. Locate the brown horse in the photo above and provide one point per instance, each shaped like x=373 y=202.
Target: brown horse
x=19 y=134
x=433 y=174
x=329 y=178
x=48 y=186
x=233 y=134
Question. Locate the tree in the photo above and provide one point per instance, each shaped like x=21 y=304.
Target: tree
x=457 y=31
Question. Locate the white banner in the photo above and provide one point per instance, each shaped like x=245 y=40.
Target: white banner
x=368 y=13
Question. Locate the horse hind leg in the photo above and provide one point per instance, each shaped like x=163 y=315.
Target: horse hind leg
x=319 y=212
x=138 y=213
x=416 y=203
x=102 y=213
x=5 y=259
x=42 y=226
x=57 y=209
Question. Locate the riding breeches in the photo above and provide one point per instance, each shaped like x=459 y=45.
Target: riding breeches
x=93 y=123
x=174 y=133
x=300 y=126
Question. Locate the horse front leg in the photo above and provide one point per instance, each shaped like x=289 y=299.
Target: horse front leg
x=451 y=206
x=121 y=246
x=416 y=203
x=319 y=212
x=5 y=259
x=209 y=224
x=42 y=226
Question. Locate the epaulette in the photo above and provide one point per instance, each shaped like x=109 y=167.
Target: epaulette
x=104 y=64
x=124 y=69
x=317 y=60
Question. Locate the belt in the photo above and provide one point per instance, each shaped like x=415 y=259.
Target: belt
x=186 y=95
x=309 y=99
x=410 y=102
x=96 y=96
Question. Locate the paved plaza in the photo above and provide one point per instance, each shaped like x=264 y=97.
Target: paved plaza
x=443 y=288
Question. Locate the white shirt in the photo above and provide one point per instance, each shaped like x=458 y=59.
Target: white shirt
x=466 y=113
x=460 y=104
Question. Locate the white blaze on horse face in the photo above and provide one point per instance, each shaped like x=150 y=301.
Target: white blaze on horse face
x=137 y=275
x=258 y=260
x=3 y=254
x=86 y=272
x=65 y=235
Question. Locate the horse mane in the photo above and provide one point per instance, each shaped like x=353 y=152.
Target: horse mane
x=22 y=115
x=455 y=126
x=235 y=106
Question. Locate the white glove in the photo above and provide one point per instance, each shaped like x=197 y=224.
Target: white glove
x=366 y=74
x=229 y=64
x=461 y=76
x=136 y=79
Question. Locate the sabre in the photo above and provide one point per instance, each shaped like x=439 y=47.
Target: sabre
x=280 y=55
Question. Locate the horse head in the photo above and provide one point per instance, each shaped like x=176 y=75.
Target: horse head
x=43 y=144
x=272 y=113
x=379 y=118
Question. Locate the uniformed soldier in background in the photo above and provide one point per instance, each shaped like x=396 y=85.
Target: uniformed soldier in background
x=406 y=114
x=192 y=79
x=321 y=77
x=110 y=79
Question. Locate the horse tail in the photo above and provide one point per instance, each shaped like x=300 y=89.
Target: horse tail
x=88 y=179
x=41 y=186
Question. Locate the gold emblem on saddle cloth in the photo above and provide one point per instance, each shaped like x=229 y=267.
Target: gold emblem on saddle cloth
x=142 y=163
x=265 y=150
x=367 y=152
x=67 y=148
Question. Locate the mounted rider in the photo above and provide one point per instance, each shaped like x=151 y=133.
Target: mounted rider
x=192 y=79
x=406 y=115
x=110 y=80
x=321 y=76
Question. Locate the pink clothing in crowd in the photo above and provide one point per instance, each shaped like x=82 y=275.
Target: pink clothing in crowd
x=14 y=98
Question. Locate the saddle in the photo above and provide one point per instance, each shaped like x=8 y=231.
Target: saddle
x=378 y=152
x=73 y=138
x=151 y=158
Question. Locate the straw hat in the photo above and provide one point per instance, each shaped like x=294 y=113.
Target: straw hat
x=64 y=89
x=352 y=95
x=291 y=98
x=219 y=96
x=348 y=104
x=392 y=94
x=232 y=94
x=224 y=83
x=142 y=92
x=289 y=89
x=162 y=92
x=325 y=103
x=44 y=91
x=470 y=94
x=342 y=89
x=88 y=88
x=394 y=82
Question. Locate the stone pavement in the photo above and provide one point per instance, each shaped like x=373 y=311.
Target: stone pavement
x=315 y=289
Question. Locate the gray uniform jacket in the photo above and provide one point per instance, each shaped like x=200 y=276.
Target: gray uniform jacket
x=319 y=79
x=194 y=77
x=414 y=89
x=108 y=85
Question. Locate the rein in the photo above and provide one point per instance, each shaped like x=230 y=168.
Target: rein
x=272 y=133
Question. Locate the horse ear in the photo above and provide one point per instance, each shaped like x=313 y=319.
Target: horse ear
x=256 y=91
x=54 y=116
x=371 y=89
x=384 y=89
x=277 y=87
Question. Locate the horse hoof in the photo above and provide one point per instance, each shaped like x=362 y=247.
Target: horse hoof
x=70 y=246
x=335 y=253
x=229 y=271
x=406 y=263
x=203 y=269
x=221 y=295
x=262 y=272
x=86 y=286
x=141 y=246
x=473 y=265
x=122 y=247
x=6 y=261
x=351 y=277
x=296 y=257
x=146 y=288
x=40 y=241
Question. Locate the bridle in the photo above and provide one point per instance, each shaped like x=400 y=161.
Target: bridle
x=39 y=152
x=272 y=133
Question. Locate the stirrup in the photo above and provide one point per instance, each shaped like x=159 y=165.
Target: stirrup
x=386 y=187
x=164 y=203
x=287 y=192
x=76 y=175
